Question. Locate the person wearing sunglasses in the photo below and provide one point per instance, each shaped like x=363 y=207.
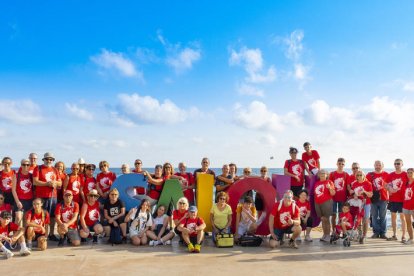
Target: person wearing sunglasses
x=355 y=167
x=180 y=215
x=295 y=168
x=7 y=240
x=339 y=178
x=89 y=182
x=396 y=183
x=284 y=219
x=7 y=180
x=22 y=191
x=221 y=215
x=114 y=213
x=67 y=213
x=74 y=182
x=46 y=180
x=90 y=217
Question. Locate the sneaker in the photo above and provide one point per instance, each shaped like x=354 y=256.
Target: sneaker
x=299 y=239
x=403 y=240
x=8 y=254
x=61 y=241
x=29 y=245
x=24 y=252
x=52 y=238
x=167 y=242
x=95 y=239
x=408 y=242
x=190 y=247
x=308 y=238
x=293 y=244
x=326 y=238
x=383 y=236
x=393 y=238
x=375 y=236
x=151 y=243
x=197 y=248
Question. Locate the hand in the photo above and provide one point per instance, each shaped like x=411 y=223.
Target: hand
x=297 y=178
x=290 y=221
x=42 y=229
x=19 y=205
x=110 y=221
x=274 y=236
x=115 y=223
x=186 y=215
x=12 y=239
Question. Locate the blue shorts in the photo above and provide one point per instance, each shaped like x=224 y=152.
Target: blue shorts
x=281 y=232
x=367 y=211
x=337 y=207
x=395 y=207
x=27 y=205
x=49 y=204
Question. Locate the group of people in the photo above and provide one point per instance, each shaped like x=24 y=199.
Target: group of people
x=47 y=203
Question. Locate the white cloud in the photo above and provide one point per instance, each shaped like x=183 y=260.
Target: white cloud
x=301 y=72
x=245 y=89
x=268 y=139
x=257 y=116
x=294 y=43
x=95 y=143
x=405 y=85
x=20 y=112
x=184 y=59
x=149 y=110
x=116 y=61
x=121 y=120
x=252 y=62
x=120 y=143
x=77 y=112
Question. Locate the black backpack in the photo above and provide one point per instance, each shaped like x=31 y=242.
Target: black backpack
x=250 y=241
x=115 y=236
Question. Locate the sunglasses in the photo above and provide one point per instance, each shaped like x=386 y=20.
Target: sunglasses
x=355 y=168
x=359 y=175
x=25 y=165
x=90 y=169
x=49 y=159
x=68 y=195
x=138 y=163
x=113 y=194
x=263 y=171
x=397 y=164
x=341 y=164
x=75 y=169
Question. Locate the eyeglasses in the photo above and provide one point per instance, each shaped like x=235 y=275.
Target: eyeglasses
x=359 y=175
x=222 y=198
x=181 y=203
x=75 y=169
x=341 y=164
x=25 y=165
x=49 y=159
x=68 y=195
x=138 y=163
x=263 y=171
x=90 y=169
x=397 y=164
x=113 y=194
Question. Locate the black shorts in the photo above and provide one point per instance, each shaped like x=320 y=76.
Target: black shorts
x=309 y=223
x=395 y=207
x=27 y=205
x=8 y=198
x=158 y=229
x=193 y=240
x=296 y=190
x=281 y=232
x=119 y=221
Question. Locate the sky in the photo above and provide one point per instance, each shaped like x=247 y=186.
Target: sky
x=235 y=81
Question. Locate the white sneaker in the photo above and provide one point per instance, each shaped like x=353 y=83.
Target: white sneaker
x=308 y=238
x=8 y=254
x=409 y=241
x=168 y=242
x=24 y=252
x=151 y=243
x=299 y=239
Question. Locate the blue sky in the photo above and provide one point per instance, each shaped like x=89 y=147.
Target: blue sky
x=237 y=81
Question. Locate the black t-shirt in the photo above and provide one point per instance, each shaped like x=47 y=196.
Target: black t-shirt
x=114 y=209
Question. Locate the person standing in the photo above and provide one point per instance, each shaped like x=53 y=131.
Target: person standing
x=295 y=168
x=7 y=180
x=379 y=200
x=22 y=191
x=311 y=158
x=188 y=185
x=340 y=179
x=33 y=162
x=205 y=163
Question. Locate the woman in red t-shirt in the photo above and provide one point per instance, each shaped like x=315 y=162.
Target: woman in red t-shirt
x=90 y=216
x=74 y=183
x=155 y=184
x=408 y=204
x=324 y=190
x=61 y=169
x=22 y=190
x=180 y=215
x=7 y=178
x=104 y=180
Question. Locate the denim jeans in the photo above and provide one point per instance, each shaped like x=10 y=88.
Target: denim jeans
x=379 y=217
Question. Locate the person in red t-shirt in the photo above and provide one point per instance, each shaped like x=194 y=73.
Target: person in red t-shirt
x=284 y=219
x=67 y=219
x=311 y=158
x=179 y=215
x=46 y=180
x=90 y=216
x=7 y=180
x=355 y=167
x=192 y=229
x=61 y=170
x=397 y=180
x=141 y=192
x=33 y=162
x=37 y=220
x=346 y=222
x=89 y=182
x=104 y=180
x=6 y=240
x=22 y=191
x=156 y=183
x=339 y=178
x=189 y=184
x=4 y=206
x=362 y=189
x=295 y=168
x=74 y=183
x=408 y=204
x=324 y=190
x=379 y=200
x=306 y=221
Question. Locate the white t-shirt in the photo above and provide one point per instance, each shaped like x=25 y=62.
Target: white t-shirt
x=139 y=223
x=159 y=220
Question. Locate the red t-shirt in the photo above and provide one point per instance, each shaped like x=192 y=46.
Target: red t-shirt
x=45 y=174
x=5 y=207
x=5 y=230
x=360 y=188
x=38 y=219
x=6 y=181
x=59 y=191
x=311 y=160
x=75 y=184
x=192 y=224
x=105 y=181
x=92 y=214
x=155 y=190
x=379 y=180
x=408 y=202
x=339 y=180
x=304 y=207
x=296 y=168
x=398 y=182
x=321 y=191
x=24 y=186
x=31 y=168
x=351 y=179
x=348 y=217
x=177 y=215
x=89 y=184
x=66 y=213
x=282 y=216
x=188 y=193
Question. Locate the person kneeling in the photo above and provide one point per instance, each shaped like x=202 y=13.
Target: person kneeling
x=66 y=215
x=6 y=240
x=89 y=217
x=246 y=222
x=192 y=229
x=141 y=222
x=37 y=225
x=284 y=219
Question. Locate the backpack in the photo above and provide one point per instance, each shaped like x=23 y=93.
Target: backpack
x=115 y=236
x=250 y=241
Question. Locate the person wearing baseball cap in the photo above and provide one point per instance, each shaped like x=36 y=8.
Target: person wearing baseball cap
x=67 y=219
x=192 y=230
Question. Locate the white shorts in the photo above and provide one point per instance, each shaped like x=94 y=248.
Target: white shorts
x=134 y=232
x=243 y=228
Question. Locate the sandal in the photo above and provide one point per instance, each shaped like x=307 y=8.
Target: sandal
x=403 y=240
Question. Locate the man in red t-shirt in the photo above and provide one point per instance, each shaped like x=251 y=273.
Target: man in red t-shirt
x=188 y=184
x=192 y=229
x=396 y=182
x=6 y=240
x=67 y=219
x=33 y=162
x=46 y=179
x=37 y=220
x=340 y=179
x=379 y=199
x=311 y=158
x=295 y=168
x=284 y=219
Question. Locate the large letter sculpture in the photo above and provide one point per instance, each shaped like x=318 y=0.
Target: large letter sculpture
x=126 y=185
x=205 y=184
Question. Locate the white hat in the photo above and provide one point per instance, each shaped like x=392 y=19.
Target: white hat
x=81 y=161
